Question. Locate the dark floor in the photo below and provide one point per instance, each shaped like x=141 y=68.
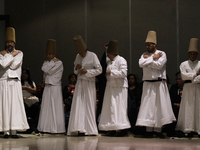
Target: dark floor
x=100 y=142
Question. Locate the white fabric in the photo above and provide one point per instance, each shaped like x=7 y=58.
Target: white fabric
x=114 y=110
x=12 y=114
x=152 y=69
x=51 y=117
x=155 y=109
x=53 y=72
x=82 y=116
x=188 y=119
x=26 y=93
x=10 y=66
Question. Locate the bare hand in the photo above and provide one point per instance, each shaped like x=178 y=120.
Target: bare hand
x=55 y=59
x=157 y=56
x=79 y=66
x=83 y=71
x=71 y=86
x=145 y=56
x=15 y=52
x=198 y=72
x=3 y=52
x=177 y=104
x=24 y=87
x=108 y=73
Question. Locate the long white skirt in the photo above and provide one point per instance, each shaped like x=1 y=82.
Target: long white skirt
x=12 y=114
x=114 y=110
x=155 y=109
x=189 y=113
x=51 y=117
x=82 y=116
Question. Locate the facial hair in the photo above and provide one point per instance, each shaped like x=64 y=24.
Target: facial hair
x=10 y=48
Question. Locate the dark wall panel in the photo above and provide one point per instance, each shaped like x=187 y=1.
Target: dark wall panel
x=98 y=22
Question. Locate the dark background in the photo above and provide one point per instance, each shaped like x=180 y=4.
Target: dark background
x=99 y=21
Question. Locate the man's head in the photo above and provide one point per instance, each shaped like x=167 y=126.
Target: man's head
x=193 y=49
x=113 y=49
x=179 y=80
x=80 y=45
x=151 y=41
x=10 y=39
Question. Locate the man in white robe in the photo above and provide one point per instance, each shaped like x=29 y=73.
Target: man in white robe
x=12 y=114
x=188 y=118
x=114 y=111
x=82 y=119
x=51 y=117
x=155 y=109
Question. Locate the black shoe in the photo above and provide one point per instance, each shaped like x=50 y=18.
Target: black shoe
x=6 y=136
x=159 y=135
x=14 y=136
x=189 y=135
x=148 y=135
x=81 y=134
x=110 y=133
x=121 y=133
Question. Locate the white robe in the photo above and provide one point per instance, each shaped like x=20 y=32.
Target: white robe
x=51 y=117
x=114 y=110
x=12 y=114
x=82 y=116
x=155 y=109
x=188 y=119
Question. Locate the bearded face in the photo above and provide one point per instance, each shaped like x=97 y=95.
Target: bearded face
x=10 y=45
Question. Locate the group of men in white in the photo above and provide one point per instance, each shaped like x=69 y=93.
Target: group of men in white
x=155 y=109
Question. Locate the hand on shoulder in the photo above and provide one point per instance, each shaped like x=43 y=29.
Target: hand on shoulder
x=3 y=52
x=55 y=59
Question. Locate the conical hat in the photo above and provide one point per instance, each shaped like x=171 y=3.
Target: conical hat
x=51 y=46
x=193 y=47
x=10 y=34
x=151 y=37
x=113 y=47
x=79 y=44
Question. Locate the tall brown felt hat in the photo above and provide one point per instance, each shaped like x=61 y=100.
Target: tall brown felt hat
x=10 y=34
x=193 y=47
x=51 y=46
x=113 y=47
x=151 y=37
x=79 y=44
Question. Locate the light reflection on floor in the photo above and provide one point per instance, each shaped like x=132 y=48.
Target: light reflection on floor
x=62 y=142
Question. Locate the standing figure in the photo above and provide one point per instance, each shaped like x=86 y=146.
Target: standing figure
x=155 y=109
x=12 y=114
x=82 y=117
x=114 y=111
x=52 y=110
x=188 y=118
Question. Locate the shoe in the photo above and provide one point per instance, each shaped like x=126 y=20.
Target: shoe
x=159 y=135
x=14 y=136
x=121 y=133
x=81 y=134
x=189 y=135
x=110 y=133
x=6 y=136
x=148 y=135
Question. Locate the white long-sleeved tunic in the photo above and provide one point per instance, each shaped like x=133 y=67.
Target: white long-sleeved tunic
x=114 y=110
x=82 y=116
x=155 y=109
x=189 y=113
x=12 y=114
x=51 y=117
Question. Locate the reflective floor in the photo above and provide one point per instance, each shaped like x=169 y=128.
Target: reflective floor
x=62 y=142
